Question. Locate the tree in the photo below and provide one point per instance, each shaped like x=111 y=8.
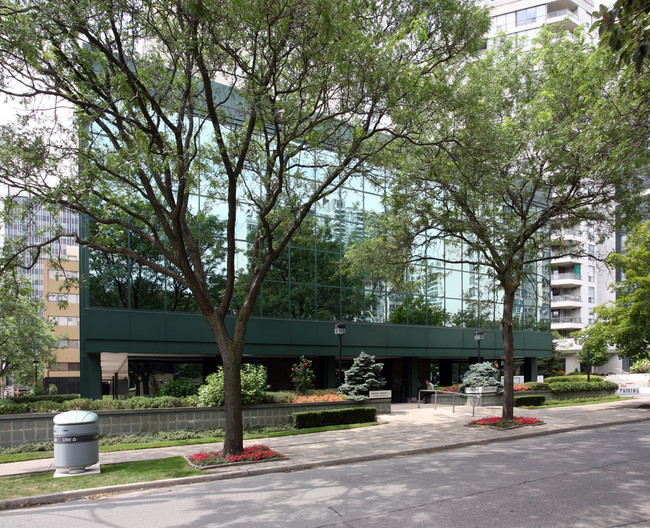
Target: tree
x=594 y=351
x=625 y=29
x=261 y=108
x=24 y=335
x=538 y=141
x=363 y=376
x=625 y=322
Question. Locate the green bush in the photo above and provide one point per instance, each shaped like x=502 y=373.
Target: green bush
x=82 y=404
x=530 y=399
x=480 y=375
x=302 y=375
x=45 y=406
x=572 y=378
x=13 y=408
x=107 y=405
x=178 y=388
x=253 y=385
x=538 y=385
x=363 y=376
x=640 y=366
x=277 y=397
x=579 y=386
x=59 y=398
x=303 y=420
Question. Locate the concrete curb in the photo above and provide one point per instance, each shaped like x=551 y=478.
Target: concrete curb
x=20 y=502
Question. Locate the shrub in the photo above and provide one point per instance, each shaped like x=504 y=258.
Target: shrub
x=44 y=406
x=52 y=389
x=82 y=404
x=178 y=388
x=108 y=404
x=13 y=408
x=363 y=376
x=303 y=420
x=166 y=402
x=481 y=375
x=51 y=397
x=253 y=385
x=302 y=376
x=538 y=385
x=579 y=386
x=574 y=377
x=641 y=366
x=529 y=399
x=277 y=397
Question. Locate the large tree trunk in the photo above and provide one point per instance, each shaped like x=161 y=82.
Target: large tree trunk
x=234 y=434
x=231 y=351
x=508 y=354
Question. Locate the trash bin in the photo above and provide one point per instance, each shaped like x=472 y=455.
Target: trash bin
x=76 y=441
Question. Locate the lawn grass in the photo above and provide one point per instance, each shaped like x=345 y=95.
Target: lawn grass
x=576 y=401
x=111 y=475
x=37 y=455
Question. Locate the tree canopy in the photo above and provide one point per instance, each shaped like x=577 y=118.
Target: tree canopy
x=625 y=322
x=538 y=140
x=24 y=335
x=245 y=109
x=625 y=29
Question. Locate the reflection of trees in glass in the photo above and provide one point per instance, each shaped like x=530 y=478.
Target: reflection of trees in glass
x=118 y=281
x=305 y=281
x=415 y=311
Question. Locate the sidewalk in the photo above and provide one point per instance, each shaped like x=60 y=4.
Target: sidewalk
x=406 y=431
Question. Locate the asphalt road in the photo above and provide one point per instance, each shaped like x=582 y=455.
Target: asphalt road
x=594 y=478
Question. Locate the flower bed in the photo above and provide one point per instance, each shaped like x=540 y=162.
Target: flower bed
x=253 y=453
x=497 y=421
x=322 y=396
x=521 y=387
x=644 y=406
x=452 y=388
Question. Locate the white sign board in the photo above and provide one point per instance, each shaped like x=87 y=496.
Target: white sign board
x=517 y=379
x=540 y=379
x=380 y=394
x=627 y=390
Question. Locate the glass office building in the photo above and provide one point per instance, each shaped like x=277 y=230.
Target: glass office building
x=140 y=328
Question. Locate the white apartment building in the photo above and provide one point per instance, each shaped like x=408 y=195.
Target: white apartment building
x=579 y=278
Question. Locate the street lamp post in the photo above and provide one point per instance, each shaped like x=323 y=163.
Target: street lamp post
x=339 y=330
x=35 y=363
x=478 y=337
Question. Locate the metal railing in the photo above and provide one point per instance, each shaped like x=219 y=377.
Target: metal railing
x=566 y=320
x=475 y=398
x=566 y=275
x=561 y=298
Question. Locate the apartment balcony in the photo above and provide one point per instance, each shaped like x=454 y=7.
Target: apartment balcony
x=566 y=237
x=561 y=259
x=566 y=280
x=571 y=324
x=564 y=17
x=566 y=302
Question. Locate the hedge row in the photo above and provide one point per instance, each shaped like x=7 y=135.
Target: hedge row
x=31 y=398
x=303 y=420
x=538 y=385
x=137 y=402
x=573 y=378
x=69 y=402
x=580 y=386
x=530 y=399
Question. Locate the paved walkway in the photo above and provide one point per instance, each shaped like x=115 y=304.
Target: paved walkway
x=407 y=430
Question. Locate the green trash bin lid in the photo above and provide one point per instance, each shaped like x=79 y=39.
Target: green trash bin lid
x=75 y=417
